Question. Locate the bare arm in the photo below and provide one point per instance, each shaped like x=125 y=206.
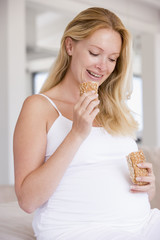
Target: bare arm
x=35 y=181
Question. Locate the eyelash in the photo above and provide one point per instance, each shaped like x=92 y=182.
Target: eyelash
x=112 y=60
x=93 y=54
x=96 y=54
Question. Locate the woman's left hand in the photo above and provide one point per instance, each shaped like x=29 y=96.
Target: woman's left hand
x=150 y=180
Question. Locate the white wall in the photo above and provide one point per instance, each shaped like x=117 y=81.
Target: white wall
x=4 y=165
x=157 y=93
x=151 y=86
x=13 y=82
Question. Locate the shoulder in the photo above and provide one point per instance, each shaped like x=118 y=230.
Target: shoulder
x=38 y=110
x=34 y=101
x=37 y=104
x=34 y=109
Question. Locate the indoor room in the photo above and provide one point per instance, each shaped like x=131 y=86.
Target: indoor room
x=31 y=32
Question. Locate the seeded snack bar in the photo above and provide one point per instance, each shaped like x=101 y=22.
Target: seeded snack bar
x=88 y=86
x=133 y=159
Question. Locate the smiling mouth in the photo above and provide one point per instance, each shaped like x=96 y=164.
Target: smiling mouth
x=95 y=74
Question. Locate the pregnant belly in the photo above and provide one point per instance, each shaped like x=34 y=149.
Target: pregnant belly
x=97 y=194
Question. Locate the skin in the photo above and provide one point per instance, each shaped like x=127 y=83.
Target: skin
x=97 y=56
x=35 y=181
x=150 y=179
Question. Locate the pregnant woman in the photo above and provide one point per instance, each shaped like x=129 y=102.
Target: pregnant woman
x=70 y=149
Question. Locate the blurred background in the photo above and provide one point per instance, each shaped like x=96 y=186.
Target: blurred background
x=30 y=34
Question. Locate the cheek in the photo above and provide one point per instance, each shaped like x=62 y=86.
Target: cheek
x=112 y=67
x=77 y=64
x=78 y=58
x=91 y=61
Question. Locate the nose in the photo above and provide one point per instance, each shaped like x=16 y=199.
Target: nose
x=102 y=65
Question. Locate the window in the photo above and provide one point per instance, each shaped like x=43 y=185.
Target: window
x=38 y=81
x=136 y=103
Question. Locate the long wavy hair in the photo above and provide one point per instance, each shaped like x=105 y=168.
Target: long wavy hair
x=114 y=115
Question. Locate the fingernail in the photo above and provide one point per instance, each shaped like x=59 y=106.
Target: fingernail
x=139 y=164
x=138 y=178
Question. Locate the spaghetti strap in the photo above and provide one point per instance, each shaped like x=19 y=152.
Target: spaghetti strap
x=53 y=104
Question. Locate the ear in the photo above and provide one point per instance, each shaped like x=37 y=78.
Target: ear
x=69 y=45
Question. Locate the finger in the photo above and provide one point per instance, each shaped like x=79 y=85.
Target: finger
x=88 y=99
x=92 y=105
x=82 y=97
x=134 y=191
x=81 y=100
x=88 y=105
x=94 y=113
x=148 y=179
x=146 y=165
x=88 y=94
x=143 y=188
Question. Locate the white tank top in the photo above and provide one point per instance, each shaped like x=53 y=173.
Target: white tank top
x=95 y=186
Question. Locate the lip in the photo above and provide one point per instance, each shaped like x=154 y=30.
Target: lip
x=97 y=76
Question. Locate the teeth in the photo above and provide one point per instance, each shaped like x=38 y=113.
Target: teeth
x=94 y=74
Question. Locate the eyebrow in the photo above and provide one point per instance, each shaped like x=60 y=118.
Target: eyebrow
x=103 y=49
x=97 y=47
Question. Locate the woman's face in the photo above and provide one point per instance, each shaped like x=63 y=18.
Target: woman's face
x=94 y=58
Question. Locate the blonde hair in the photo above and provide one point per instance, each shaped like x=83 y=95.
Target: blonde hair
x=114 y=114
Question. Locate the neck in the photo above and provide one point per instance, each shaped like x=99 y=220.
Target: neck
x=70 y=89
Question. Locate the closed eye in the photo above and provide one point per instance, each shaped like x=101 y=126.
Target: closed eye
x=112 y=60
x=93 y=54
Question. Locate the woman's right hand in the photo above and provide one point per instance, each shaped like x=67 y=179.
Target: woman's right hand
x=30 y=142
x=84 y=114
